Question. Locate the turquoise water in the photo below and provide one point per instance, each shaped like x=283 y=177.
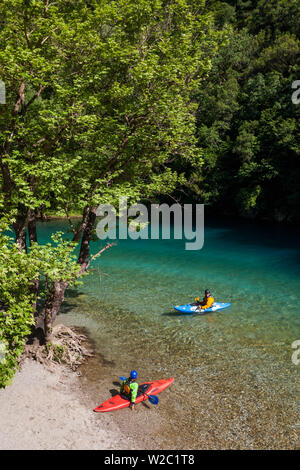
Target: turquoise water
x=235 y=383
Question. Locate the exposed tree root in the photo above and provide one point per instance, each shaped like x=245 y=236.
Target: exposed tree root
x=67 y=347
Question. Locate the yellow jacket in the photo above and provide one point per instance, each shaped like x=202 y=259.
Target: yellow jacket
x=207 y=303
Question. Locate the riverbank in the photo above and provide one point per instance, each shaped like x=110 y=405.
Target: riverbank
x=45 y=410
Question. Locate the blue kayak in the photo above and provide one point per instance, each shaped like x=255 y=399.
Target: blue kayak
x=190 y=308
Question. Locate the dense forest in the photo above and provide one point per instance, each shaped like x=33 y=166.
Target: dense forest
x=148 y=99
x=247 y=124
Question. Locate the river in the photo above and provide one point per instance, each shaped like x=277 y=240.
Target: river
x=236 y=385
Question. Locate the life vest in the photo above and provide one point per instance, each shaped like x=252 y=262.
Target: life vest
x=126 y=387
x=207 y=302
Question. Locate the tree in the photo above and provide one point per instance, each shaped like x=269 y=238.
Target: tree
x=99 y=102
x=18 y=273
x=16 y=317
x=247 y=124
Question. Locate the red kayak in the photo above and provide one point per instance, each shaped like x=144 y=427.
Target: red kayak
x=151 y=388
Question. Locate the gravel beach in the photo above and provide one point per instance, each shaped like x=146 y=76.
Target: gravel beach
x=45 y=410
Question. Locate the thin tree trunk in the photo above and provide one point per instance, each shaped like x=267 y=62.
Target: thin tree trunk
x=84 y=252
x=32 y=227
x=57 y=295
x=52 y=306
x=20 y=227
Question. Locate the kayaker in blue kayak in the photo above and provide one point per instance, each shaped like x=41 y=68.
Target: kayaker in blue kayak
x=129 y=388
x=207 y=301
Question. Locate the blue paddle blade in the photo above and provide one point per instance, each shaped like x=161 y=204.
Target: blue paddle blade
x=153 y=399
x=123 y=378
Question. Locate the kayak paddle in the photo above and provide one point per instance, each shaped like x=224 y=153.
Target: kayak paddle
x=152 y=398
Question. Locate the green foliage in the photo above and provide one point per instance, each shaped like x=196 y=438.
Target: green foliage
x=136 y=98
x=106 y=100
x=248 y=126
x=99 y=102
x=55 y=261
x=18 y=270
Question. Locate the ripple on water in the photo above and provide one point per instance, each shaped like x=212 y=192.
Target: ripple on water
x=235 y=384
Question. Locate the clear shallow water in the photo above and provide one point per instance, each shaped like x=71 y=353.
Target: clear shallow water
x=235 y=384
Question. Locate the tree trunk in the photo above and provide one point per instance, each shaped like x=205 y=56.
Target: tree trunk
x=84 y=252
x=56 y=297
x=32 y=227
x=20 y=227
x=51 y=308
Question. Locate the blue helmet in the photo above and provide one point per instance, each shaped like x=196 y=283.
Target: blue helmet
x=133 y=374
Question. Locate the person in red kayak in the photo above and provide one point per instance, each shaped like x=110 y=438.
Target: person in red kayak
x=207 y=301
x=129 y=388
